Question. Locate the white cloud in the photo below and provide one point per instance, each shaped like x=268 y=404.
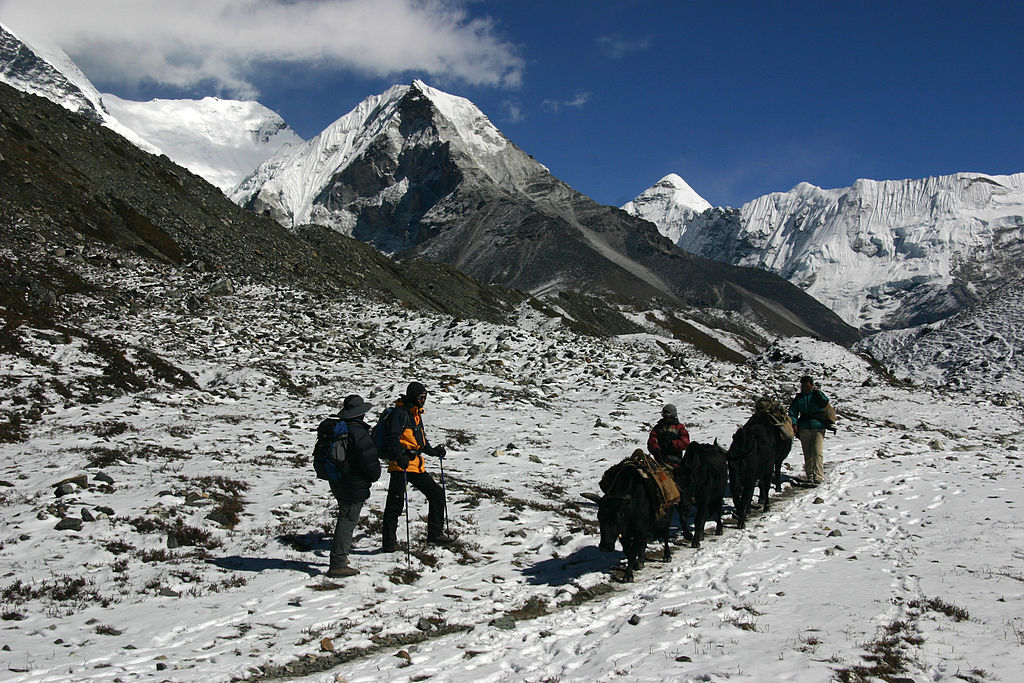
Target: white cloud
x=513 y=110
x=616 y=47
x=185 y=43
x=576 y=101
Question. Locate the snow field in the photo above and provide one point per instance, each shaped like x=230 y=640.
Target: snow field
x=897 y=535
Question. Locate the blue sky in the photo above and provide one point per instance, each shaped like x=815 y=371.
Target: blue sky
x=739 y=98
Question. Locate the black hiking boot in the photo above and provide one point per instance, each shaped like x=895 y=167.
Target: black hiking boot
x=440 y=540
x=342 y=572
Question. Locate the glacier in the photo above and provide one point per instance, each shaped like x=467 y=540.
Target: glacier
x=881 y=254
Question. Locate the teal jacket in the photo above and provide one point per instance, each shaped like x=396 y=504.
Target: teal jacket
x=804 y=406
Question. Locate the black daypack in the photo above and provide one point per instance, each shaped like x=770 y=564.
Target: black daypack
x=380 y=430
x=330 y=454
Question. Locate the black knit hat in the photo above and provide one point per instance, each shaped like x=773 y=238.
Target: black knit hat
x=414 y=390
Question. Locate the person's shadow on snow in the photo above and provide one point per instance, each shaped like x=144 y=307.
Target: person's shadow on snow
x=258 y=564
x=561 y=571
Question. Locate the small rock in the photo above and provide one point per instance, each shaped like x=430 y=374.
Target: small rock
x=222 y=287
x=169 y=593
x=104 y=477
x=197 y=499
x=72 y=523
x=79 y=480
x=505 y=622
x=88 y=516
x=104 y=510
x=161 y=666
x=327 y=645
x=835 y=532
x=4 y=482
x=219 y=518
x=818 y=500
x=634 y=620
x=424 y=625
x=405 y=656
x=64 y=489
x=683 y=658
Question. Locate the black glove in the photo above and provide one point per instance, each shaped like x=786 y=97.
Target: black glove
x=402 y=460
x=440 y=452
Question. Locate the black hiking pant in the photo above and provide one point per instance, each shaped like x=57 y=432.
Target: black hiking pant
x=425 y=484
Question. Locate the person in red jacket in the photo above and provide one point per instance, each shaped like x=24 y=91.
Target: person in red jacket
x=668 y=439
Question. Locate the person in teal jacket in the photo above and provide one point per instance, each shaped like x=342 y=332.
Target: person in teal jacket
x=803 y=410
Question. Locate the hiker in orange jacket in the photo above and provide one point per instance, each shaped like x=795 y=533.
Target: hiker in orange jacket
x=405 y=443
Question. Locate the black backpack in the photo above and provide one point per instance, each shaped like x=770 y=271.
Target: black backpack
x=333 y=441
x=380 y=431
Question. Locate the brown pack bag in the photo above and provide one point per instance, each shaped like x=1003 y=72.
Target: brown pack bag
x=778 y=415
x=662 y=482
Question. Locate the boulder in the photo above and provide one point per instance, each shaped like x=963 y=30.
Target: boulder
x=72 y=523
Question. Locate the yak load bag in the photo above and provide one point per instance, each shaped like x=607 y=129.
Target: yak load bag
x=330 y=453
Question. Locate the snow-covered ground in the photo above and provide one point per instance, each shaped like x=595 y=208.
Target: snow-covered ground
x=912 y=553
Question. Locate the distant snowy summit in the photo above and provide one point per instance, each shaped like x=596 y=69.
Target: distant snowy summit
x=219 y=140
x=315 y=182
x=669 y=203
x=881 y=254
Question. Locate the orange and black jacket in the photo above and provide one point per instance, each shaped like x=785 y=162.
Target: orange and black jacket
x=405 y=435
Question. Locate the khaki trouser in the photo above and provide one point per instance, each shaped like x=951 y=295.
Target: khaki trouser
x=813 y=442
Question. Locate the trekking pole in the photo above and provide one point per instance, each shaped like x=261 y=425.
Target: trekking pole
x=408 y=543
x=444 y=488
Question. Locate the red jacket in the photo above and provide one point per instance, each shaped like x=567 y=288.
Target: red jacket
x=662 y=433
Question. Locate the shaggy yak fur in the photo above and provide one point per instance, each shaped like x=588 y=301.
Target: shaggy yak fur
x=752 y=460
x=629 y=510
x=703 y=476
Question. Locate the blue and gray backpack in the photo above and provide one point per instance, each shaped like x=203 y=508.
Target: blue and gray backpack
x=329 y=454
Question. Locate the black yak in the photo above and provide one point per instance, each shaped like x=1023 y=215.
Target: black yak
x=703 y=476
x=630 y=511
x=752 y=462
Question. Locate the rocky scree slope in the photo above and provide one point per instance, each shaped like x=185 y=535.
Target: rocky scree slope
x=71 y=186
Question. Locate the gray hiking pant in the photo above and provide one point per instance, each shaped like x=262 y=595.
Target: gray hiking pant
x=348 y=517
x=813 y=443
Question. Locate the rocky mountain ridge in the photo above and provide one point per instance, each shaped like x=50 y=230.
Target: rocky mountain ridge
x=421 y=172
x=219 y=140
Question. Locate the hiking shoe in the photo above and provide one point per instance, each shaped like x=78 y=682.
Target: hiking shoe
x=441 y=540
x=341 y=572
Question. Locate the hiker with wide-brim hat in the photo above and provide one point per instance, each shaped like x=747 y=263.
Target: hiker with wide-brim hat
x=352 y=490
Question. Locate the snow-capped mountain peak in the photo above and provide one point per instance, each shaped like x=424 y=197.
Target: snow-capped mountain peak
x=220 y=140
x=45 y=70
x=294 y=185
x=881 y=254
x=668 y=203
